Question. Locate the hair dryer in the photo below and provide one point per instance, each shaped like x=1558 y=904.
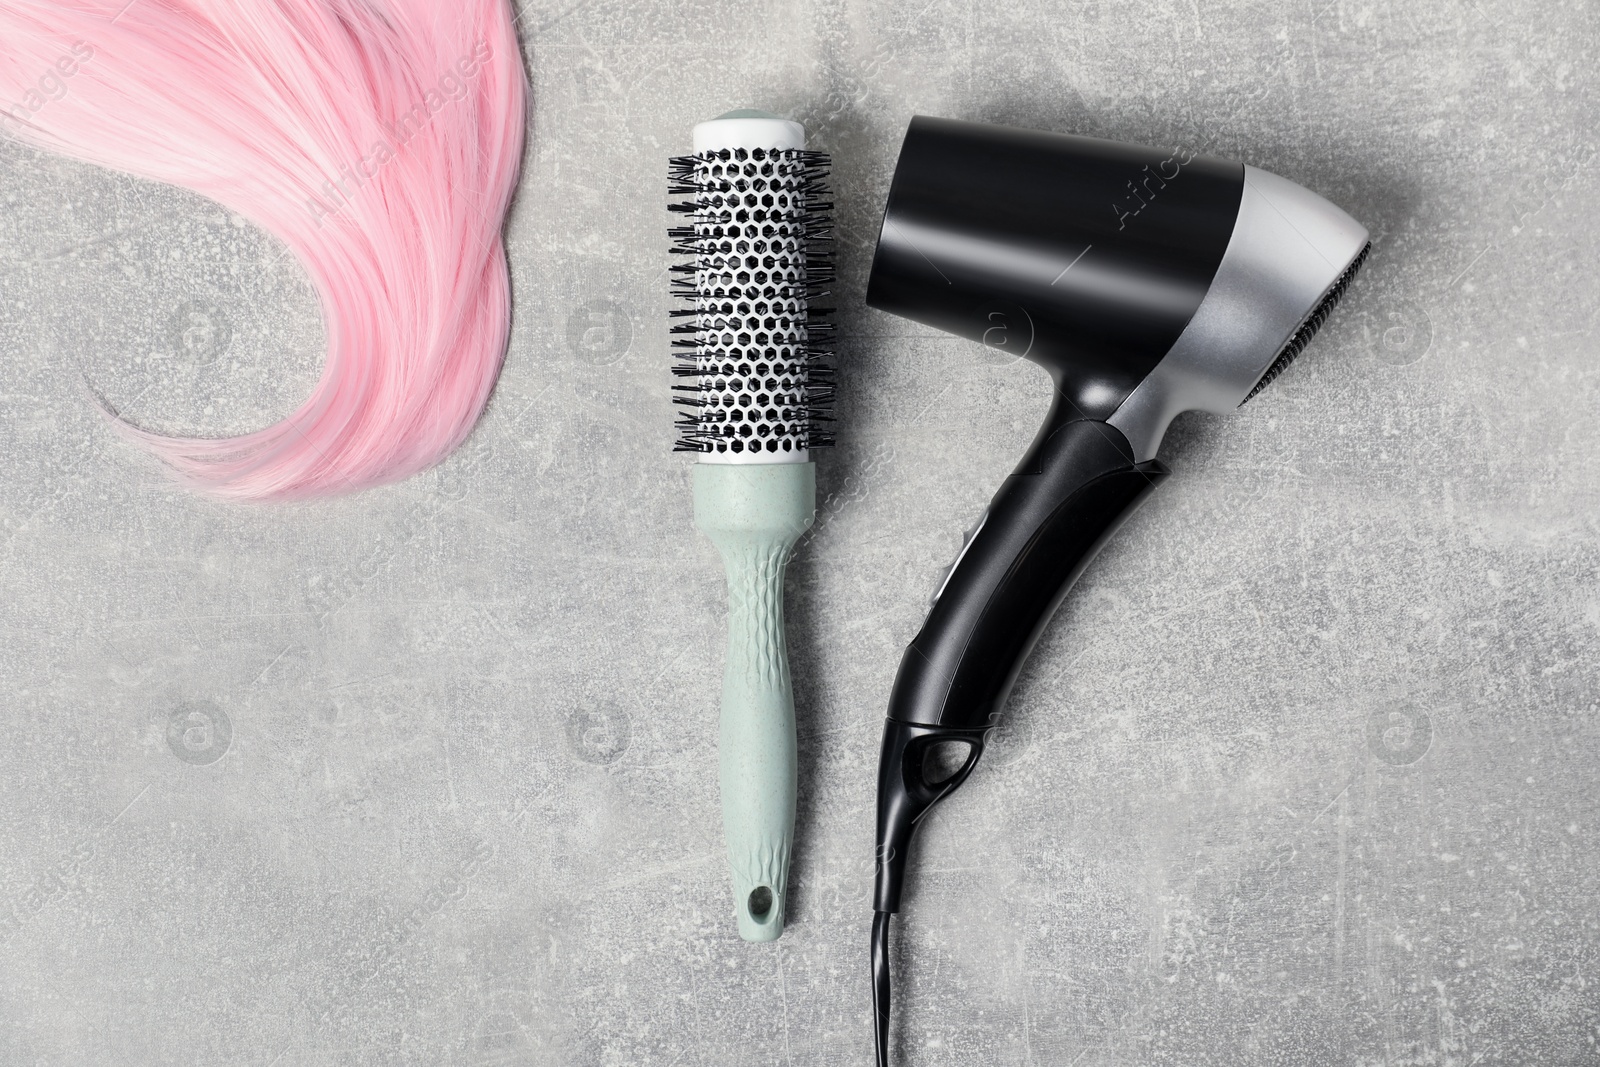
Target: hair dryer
x=1147 y=284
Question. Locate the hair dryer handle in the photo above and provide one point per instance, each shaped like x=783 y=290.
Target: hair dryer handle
x=1073 y=489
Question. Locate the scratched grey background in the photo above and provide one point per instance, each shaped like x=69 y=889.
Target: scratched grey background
x=1304 y=772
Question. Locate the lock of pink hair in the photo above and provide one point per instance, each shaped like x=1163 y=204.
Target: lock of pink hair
x=379 y=140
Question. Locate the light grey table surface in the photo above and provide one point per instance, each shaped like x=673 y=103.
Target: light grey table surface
x=1303 y=773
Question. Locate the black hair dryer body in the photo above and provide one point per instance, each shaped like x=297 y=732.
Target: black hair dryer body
x=1147 y=283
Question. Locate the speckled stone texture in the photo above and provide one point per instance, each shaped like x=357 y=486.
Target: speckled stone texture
x=1303 y=773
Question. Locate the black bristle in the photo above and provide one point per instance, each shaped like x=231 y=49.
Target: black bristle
x=1310 y=326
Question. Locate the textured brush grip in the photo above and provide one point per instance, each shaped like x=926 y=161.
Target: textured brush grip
x=754 y=514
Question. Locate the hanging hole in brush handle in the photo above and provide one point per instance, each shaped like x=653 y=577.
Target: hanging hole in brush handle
x=1072 y=490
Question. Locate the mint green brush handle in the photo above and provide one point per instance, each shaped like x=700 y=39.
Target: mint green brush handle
x=754 y=513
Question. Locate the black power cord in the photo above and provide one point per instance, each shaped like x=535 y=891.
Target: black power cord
x=880 y=983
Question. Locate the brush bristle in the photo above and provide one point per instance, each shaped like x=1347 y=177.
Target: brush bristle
x=1309 y=328
x=749 y=335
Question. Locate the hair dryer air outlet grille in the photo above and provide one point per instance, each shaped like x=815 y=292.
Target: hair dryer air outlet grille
x=1309 y=328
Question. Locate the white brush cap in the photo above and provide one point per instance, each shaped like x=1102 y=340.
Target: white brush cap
x=747 y=128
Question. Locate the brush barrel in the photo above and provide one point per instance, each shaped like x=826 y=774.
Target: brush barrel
x=754 y=513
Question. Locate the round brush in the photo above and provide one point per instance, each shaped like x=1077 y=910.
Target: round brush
x=755 y=390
